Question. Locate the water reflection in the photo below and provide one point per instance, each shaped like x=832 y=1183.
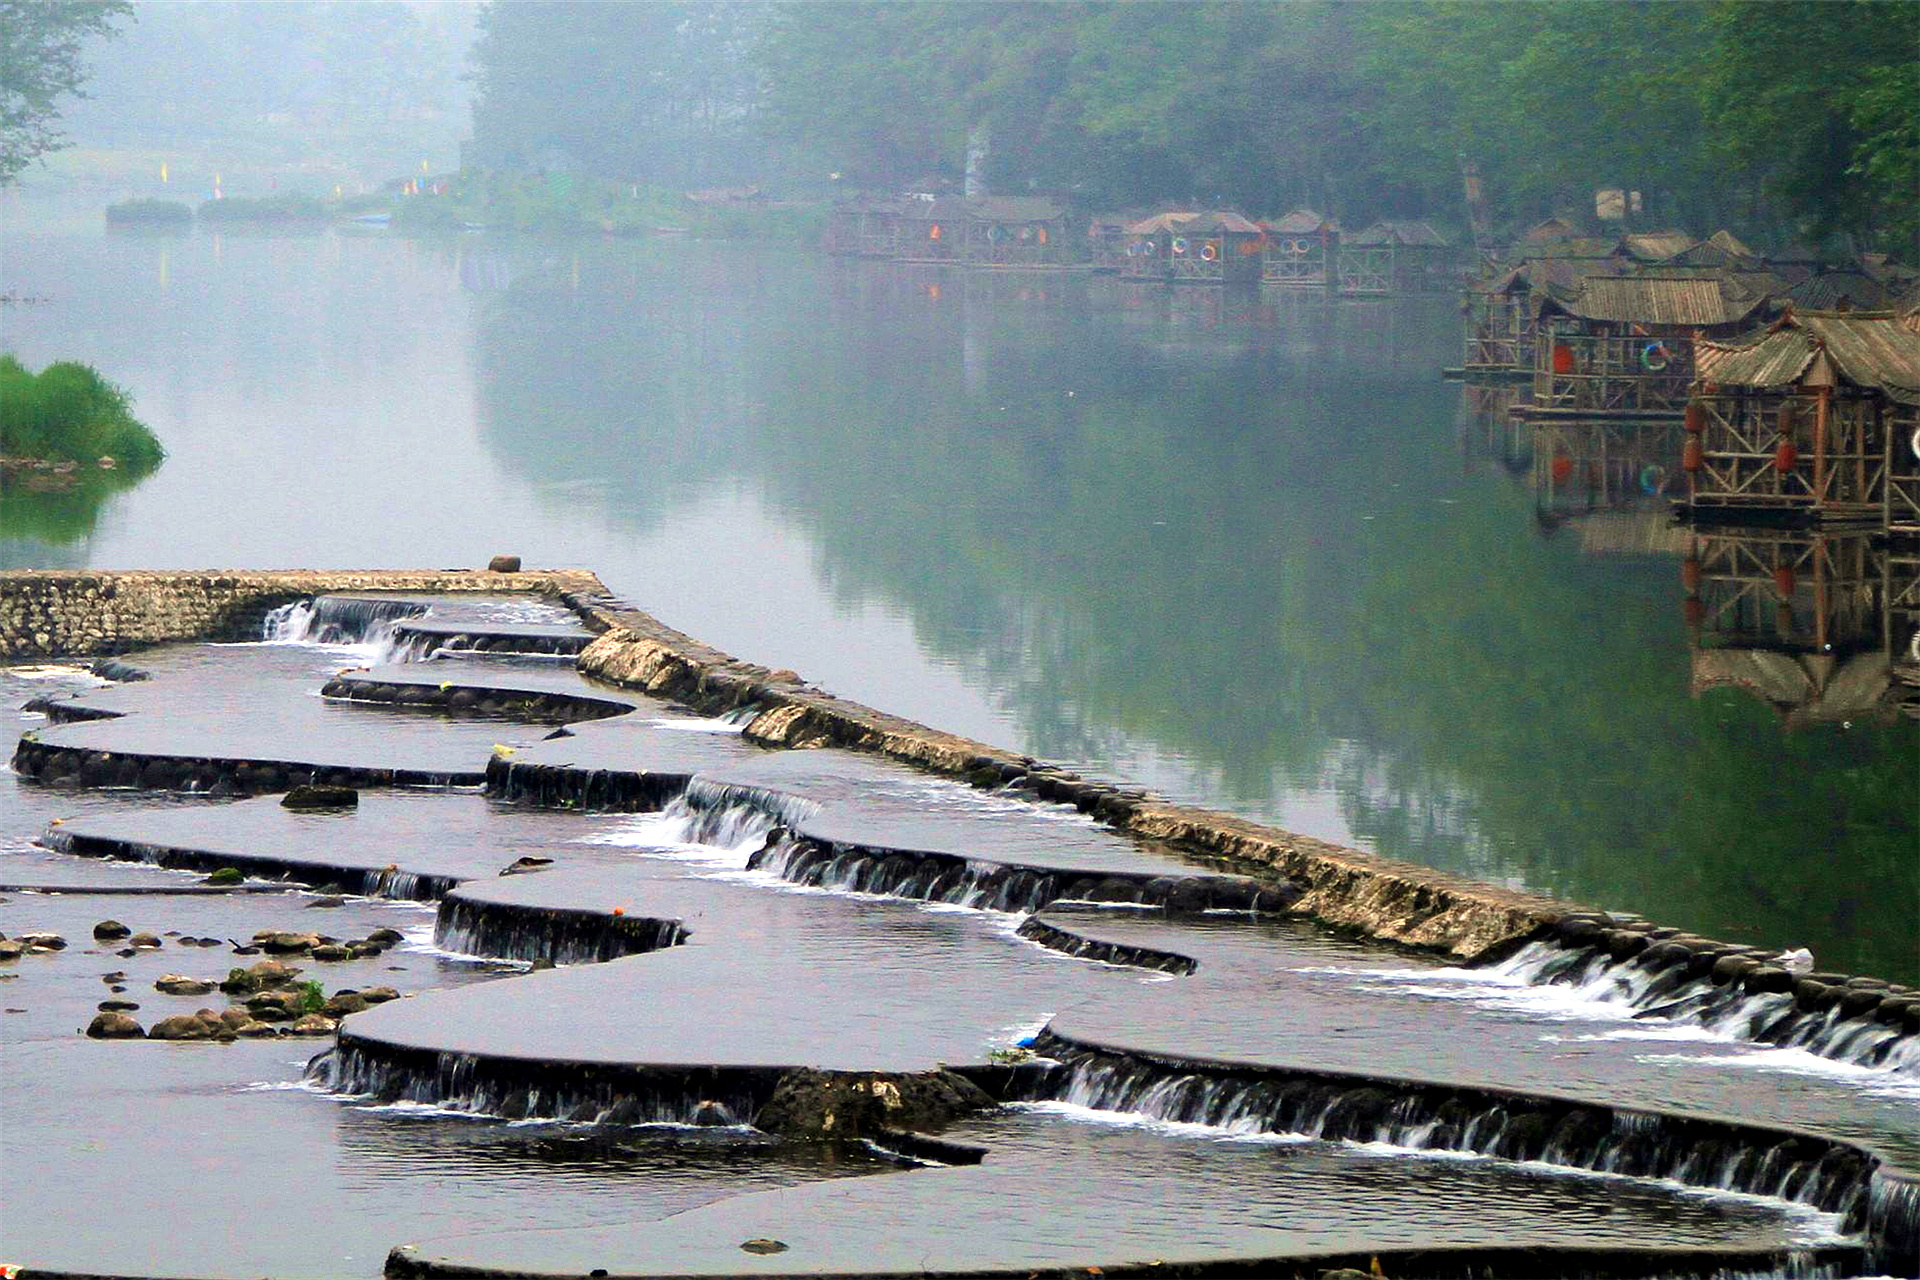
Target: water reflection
x=1245 y=547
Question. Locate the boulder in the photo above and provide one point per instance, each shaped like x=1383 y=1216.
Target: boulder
x=379 y=995
x=520 y=866
x=225 y=876
x=317 y=796
x=332 y=952
x=344 y=1003
x=327 y=900
x=288 y=943
x=386 y=937
x=253 y=1028
x=504 y=564
x=145 y=941
x=260 y=976
x=11 y=950
x=111 y=931
x=809 y=1103
x=175 y=984
x=181 y=1026
x=114 y=1026
x=42 y=941
x=314 y=1024
x=1768 y=978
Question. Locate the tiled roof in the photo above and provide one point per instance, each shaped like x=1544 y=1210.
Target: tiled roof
x=1663 y=300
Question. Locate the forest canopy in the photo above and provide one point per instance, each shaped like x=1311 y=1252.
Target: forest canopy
x=1795 y=118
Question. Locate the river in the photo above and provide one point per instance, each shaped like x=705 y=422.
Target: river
x=1242 y=550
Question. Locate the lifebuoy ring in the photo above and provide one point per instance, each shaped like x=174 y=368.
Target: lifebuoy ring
x=993 y=234
x=1179 y=244
x=1913 y=442
x=1655 y=356
x=1133 y=250
x=1208 y=253
x=1653 y=478
x=1293 y=246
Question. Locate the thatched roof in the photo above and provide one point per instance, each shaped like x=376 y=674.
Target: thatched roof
x=1302 y=222
x=1698 y=301
x=1657 y=245
x=1015 y=209
x=1161 y=222
x=1390 y=231
x=1726 y=241
x=1839 y=290
x=1221 y=222
x=1863 y=349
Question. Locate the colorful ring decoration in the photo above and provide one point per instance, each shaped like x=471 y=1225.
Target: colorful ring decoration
x=1653 y=478
x=1179 y=244
x=1655 y=356
x=1208 y=253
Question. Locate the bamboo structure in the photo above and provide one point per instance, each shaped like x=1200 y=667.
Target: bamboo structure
x=1215 y=248
x=1806 y=421
x=1300 y=251
x=1016 y=233
x=1150 y=246
x=1622 y=346
x=1391 y=258
x=1600 y=463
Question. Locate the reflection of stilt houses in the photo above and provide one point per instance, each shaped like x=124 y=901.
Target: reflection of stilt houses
x=1805 y=420
x=1622 y=347
x=1797 y=618
x=1016 y=233
x=1392 y=258
x=1488 y=424
x=1588 y=463
x=1301 y=251
x=1214 y=248
x=1903 y=621
x=1150 y=245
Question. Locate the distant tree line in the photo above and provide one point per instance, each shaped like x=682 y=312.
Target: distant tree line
x=1796 y=117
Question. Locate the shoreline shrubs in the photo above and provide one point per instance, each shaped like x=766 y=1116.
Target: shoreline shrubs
x=168 y=213
x=69 y=413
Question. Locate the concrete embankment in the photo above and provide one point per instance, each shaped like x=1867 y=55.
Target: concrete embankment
x=1345 y=888
x=58 y=613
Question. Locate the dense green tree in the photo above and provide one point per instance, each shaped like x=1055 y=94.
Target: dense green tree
x=41 y=42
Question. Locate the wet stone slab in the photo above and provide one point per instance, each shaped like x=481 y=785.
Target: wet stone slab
x=1205 y=1201
x=543 y=692
x=1284 y=994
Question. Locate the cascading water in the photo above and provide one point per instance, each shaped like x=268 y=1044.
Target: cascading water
x=1866 y=1025
x=497 y=931
x=337 y=620
x=1827 y=1176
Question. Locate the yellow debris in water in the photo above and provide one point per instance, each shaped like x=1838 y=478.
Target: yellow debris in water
x=502 y=749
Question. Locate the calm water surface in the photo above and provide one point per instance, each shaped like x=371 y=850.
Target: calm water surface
x=1238 y=549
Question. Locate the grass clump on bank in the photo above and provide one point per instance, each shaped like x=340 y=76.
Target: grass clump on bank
x=69 y=413
x=280 y=208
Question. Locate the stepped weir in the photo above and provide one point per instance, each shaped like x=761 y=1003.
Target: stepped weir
x=716 y=901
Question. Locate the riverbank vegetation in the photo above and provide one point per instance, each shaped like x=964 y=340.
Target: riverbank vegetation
x=153 y=213
x=69 y=413
x=1792 y=119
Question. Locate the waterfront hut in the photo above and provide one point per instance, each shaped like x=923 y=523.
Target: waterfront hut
x=1107 y=242
x=865 y=226
x=931 y=229
x=1807 y=420
x=1622 y=346
x=1215 y=248
x=1503 y=311
x=1016 y=232
x=1150 y=245
x=1300 y=251
x=1395 y=257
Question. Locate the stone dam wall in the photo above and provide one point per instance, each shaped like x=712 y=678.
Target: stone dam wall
x=47 y=614
x=84 y=613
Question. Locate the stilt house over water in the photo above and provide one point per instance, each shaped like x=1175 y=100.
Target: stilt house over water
x=1301 y=251
x=1815 y=418
x=1220 y=247
x=1150 y=245
x=1393 y=258
x=1017 y=232
x=1622 y=346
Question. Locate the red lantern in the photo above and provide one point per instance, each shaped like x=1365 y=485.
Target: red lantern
x=1562 y=358
x=1690 y=574
x=1785 y=457
x=1786 y=417
x=1693 y=457
x=1696 y=417
x=1783 y=580
x=1562 y=468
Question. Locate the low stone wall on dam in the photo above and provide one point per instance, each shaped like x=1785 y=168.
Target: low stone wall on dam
x=84 y=613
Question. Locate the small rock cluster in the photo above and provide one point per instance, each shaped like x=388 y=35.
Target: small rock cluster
x=270 y=1002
